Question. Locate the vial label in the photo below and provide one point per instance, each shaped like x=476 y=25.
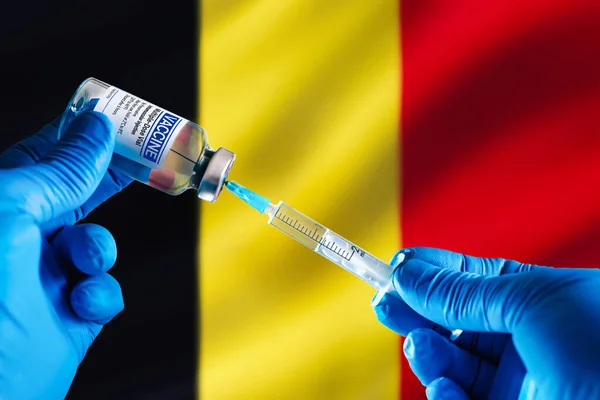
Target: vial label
x=145 y=132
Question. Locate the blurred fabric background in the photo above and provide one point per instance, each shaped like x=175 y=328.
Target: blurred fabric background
x=307 y=94
x=471 y=126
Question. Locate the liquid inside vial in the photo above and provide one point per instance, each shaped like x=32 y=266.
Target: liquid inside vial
x=178 y=167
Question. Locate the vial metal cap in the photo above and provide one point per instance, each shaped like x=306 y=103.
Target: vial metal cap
x=215 y=175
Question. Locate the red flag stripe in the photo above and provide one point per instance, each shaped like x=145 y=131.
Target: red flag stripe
x=500 y=131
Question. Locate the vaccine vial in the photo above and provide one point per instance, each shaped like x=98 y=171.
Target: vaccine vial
x=153 y=145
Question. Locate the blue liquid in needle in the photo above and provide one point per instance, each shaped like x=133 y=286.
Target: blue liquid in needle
x=255 y=200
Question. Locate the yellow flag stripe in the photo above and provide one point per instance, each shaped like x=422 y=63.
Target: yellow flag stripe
x=306 y=93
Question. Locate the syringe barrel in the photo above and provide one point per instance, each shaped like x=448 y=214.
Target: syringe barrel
x=340 y=251
x=330 y=245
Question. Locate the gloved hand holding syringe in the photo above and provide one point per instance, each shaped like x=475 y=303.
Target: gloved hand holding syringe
x=323 y=241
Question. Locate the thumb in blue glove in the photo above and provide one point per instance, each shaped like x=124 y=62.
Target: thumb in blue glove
x=552 y=316
x=55 y=293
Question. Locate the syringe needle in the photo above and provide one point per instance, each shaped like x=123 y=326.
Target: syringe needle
x=255 y=200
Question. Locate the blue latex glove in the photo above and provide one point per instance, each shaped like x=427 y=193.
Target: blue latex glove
x=55 y=294
x=531 y=332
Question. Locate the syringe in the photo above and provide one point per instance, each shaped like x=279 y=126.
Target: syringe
x=325 y=242
x=319 y=238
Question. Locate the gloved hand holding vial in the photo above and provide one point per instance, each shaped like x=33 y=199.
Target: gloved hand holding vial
x=154 y=146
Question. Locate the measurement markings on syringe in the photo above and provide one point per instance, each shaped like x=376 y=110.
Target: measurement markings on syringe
x=312 y=234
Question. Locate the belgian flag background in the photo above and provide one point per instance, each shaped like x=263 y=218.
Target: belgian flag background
x=467 y=125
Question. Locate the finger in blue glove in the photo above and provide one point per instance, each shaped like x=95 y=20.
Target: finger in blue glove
x=28 y=152
x=97 y=298
x=89 y=248
x=445 y=389
x=59 y=182
x=394 y=313
x=399 y=317
x=432 y=356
